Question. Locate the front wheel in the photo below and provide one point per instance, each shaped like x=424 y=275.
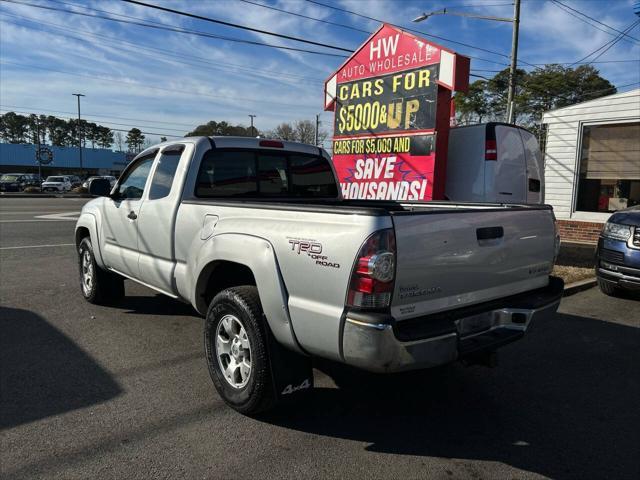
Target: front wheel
x=97 y=285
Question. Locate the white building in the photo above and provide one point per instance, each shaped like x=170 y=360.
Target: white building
x=592 y=162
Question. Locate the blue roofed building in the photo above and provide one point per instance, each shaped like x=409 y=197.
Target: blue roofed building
x=21 y=158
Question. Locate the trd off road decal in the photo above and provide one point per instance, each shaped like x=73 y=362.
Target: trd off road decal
x=312 y=249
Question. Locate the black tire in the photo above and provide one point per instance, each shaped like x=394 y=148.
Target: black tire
x=608 y=288
x=105 y=287
x=243 y=303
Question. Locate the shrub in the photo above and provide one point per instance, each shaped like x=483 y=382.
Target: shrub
x=32 y=190
x=80 y=190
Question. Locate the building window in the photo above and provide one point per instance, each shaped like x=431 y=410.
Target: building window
x=609 y=172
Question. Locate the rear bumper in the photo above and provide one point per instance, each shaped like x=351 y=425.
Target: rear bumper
x=377 y=343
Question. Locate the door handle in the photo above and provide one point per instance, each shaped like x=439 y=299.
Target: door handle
x=132 y=215
x=489 y=233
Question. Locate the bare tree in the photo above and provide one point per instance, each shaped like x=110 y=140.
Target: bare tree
x=284 y=131
x=303 y=131
x=119 y=140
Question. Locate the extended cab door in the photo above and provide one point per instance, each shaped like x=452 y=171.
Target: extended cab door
x=157 y=218
x=121 y=210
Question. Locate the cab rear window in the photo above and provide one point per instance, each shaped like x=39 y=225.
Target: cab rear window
x=259 y=173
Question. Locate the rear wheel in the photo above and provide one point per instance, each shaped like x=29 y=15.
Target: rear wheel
x=608 y=288
x=97 y=285
x=235 y=339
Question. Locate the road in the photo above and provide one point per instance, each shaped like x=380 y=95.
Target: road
x=123 y=392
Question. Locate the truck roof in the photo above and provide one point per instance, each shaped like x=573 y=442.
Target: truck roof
x=242 y=142
x=491 y=126
x=262 y=143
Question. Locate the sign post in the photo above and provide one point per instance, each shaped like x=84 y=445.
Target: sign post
x=392 y=103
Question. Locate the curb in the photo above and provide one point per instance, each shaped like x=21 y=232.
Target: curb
x=579 y=286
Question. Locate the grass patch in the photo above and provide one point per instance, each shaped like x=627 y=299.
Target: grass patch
x=572 y=274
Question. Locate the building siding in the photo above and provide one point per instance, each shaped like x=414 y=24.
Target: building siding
x=561 y=158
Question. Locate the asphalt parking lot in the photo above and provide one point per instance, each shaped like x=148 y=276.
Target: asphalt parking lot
x=124 y=392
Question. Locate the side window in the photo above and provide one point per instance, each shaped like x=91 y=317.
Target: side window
x=165 y=172
x=272 y=175
x=227 y=174
x=132 y=186
x=311 y=177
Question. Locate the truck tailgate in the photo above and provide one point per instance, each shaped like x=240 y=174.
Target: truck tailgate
x=452 y=258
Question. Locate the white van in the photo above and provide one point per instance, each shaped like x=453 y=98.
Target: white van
x=494 y=162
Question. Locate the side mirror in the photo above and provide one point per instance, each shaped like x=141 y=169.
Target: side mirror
x=100 y=187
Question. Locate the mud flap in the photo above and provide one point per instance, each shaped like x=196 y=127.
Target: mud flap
x=292 y=373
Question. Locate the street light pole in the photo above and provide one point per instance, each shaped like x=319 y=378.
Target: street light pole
x=317 y=136
x=514 y=63
x=253 y=132
x=511 y=91
x=79 y=130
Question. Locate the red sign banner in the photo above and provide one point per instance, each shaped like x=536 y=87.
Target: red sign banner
x=385 y=168
x=387 y=97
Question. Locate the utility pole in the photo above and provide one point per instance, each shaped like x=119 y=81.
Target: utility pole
x=253 y=132
x=79 y=129
x=514 y=63
x=38 y=150
x=317 y=129
x=511 y=92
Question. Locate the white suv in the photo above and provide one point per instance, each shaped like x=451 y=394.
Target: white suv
x=56 y=184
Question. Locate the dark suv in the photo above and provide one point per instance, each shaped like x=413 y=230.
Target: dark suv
x=13 y=182
x=618 y=252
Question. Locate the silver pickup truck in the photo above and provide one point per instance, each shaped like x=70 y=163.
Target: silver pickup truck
x=255 y=235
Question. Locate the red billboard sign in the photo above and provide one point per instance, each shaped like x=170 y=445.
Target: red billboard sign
x=388 y=99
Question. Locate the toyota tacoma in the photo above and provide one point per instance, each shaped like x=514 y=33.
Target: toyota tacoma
x=255 y=235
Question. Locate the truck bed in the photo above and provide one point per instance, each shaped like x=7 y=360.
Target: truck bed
x=363 y=207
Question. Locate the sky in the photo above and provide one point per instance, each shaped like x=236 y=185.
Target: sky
x=167 y=82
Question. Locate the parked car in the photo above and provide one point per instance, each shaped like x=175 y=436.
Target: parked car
x=87 y=182
x=255 y=235
x=494 y=162
x=56 y=183
x=13 y=182
x=34 y=180
x=75 y=181
x=618 y=252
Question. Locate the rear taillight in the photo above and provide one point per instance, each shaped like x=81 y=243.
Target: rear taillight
x=490 y=150
x=374 y=272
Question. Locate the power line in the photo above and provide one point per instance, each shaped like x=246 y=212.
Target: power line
x=134 y=84
x=162 y=26
x=601 y=61
x=341 y=25
x=428 y=35
x=90 y=115
x=235 y=25
x=351 y=12
x=606 y=46
x=122 y=130
x=578 y=12
x=175 y=55
x=86 y=117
